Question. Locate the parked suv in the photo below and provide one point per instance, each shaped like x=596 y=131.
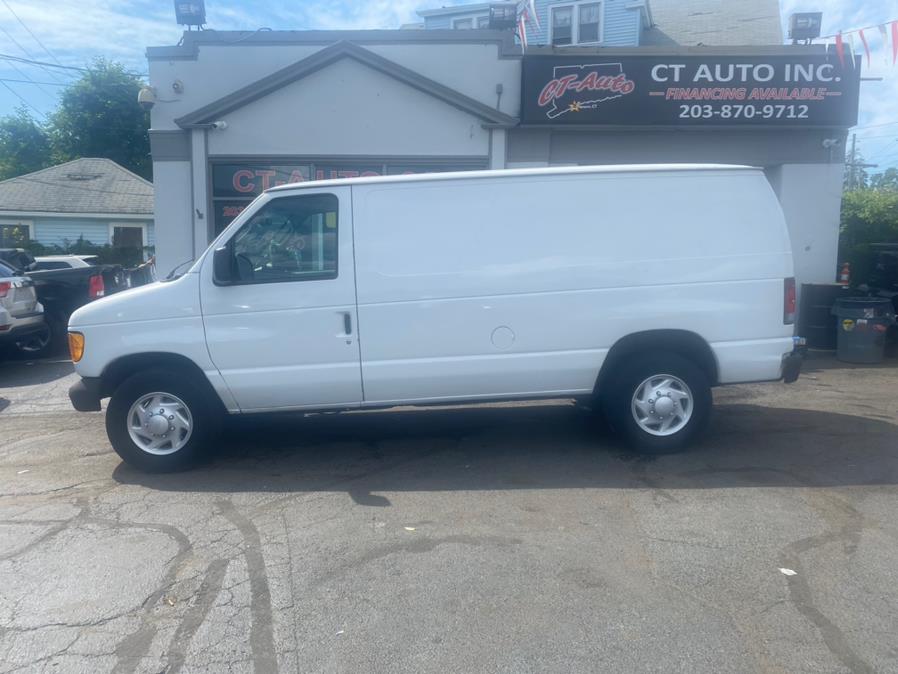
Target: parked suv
x=21 y=315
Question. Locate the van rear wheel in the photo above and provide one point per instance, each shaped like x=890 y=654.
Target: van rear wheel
x=659 y=403
x=158 y=421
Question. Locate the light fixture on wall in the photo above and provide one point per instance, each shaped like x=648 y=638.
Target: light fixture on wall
x=146 y=98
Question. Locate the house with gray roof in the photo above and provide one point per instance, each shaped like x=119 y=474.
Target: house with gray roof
x=90 y=198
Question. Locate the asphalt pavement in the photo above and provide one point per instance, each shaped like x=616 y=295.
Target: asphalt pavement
x=504 y=538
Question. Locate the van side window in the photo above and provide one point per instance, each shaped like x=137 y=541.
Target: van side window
x=290 y=239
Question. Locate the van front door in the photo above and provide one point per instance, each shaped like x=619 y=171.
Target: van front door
x=282 y=332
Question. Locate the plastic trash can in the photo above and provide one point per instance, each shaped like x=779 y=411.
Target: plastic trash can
x=862 y=325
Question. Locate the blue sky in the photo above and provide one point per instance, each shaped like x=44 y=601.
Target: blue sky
x=74 y=31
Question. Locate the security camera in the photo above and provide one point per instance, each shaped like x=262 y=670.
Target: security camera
x=219 y=125
x=146 y=98
x=831 y=142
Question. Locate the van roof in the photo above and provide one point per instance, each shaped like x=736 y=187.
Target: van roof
x=505 y=173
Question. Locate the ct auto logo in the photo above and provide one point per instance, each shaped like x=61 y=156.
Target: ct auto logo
x=582 y=87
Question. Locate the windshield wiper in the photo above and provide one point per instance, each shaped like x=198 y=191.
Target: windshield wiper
x=173 y=274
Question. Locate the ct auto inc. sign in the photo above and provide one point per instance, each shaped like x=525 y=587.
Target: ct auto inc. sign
x=800 y=90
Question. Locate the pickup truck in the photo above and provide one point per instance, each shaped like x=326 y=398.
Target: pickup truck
x=61 y=291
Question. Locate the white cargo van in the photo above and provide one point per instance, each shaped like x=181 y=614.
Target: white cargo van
x=638 y=287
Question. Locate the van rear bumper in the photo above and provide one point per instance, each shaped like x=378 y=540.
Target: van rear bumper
x=792 y=367
x=85 y=394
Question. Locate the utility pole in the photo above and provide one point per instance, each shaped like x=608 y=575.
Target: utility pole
x=851 y=161
x=853 y=164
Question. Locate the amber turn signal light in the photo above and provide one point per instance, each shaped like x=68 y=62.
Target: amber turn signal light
x=76 y=346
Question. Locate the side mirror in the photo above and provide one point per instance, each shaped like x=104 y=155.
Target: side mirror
x=223 y=266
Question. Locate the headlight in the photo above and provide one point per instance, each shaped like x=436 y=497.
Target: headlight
x=76 y=346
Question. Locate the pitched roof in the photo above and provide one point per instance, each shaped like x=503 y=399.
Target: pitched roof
x=89 y=185
x=326 y=57
x=714 y=23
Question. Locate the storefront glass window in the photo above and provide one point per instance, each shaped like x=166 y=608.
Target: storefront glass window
x=234 y=186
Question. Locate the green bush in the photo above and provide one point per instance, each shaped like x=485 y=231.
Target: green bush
x=869 y=216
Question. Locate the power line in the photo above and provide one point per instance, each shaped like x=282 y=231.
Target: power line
x=21 y=98
x=28 y=77
x=874 y=126
x=19 y=45
x=36 y=38
x=19 y=59
x=25 y=51
x=50 y=84
x=80 y=69
x=888 y=147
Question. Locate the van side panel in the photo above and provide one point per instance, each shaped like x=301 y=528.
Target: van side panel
x=520 y=285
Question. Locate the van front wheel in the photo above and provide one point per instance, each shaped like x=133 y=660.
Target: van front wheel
x=659 y=403
x=158 y=421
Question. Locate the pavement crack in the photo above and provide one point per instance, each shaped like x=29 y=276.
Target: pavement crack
x=261 y=633
x=196 y=614
x=846 y=524
x=130 y=650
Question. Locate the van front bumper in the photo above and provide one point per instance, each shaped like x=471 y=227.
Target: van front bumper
x=85 y=394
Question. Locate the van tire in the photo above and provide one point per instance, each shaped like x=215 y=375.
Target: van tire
x=191 y=404
x=635 y=378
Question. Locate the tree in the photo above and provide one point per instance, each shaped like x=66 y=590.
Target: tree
x=869 y=216
x=887 y=180
x=24 y=145
x=98 y=116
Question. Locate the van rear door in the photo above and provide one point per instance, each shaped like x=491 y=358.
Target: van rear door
x=283 y=332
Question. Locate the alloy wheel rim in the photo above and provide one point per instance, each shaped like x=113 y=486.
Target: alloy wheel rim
x=662 y=405
x=160 y=423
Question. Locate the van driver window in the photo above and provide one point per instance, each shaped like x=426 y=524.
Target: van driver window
x=290 y=239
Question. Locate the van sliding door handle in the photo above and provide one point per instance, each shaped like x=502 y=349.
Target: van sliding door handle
x=347 y=323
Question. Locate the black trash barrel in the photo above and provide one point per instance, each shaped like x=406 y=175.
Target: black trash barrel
x=863 y=323
x=816 y=321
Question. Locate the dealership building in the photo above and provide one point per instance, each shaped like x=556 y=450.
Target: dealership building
x=600 y=82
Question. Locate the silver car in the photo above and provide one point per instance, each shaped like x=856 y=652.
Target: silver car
x=21 y=315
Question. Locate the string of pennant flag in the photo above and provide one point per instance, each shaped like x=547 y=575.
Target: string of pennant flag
x=888 y=42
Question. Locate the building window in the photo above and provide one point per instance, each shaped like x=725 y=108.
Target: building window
x=234 y=186
x=470 y=22
x=14 y=235
x=290 y=239
x=580 y=23
x=125 y=236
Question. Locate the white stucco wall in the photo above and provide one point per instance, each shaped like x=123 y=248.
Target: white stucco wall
x=173 y=206
x=811 y=197
x=349 y=108
x=220 y=70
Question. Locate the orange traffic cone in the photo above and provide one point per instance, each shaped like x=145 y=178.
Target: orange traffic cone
x=845 y=274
